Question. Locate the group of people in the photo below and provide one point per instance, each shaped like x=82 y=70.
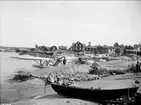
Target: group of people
x=138 y=68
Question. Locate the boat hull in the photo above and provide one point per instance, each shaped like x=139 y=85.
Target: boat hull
x=93 y=94
x=82 y=60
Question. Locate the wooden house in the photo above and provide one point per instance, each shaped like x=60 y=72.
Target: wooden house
x=77 y=47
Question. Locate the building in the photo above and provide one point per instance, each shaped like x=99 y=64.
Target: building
x=111 y=50
x=52 y=48
x=77 y=47
x=90 y=49
x=102 y=49
x=46 y=48
x=136 y=49
x=130 y=51
x=137 y=46
x=2 y=50
x=62 y=47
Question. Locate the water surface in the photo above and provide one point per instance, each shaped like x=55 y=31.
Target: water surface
x=8 y=67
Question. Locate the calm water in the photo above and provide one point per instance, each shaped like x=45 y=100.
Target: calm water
x=8 y=67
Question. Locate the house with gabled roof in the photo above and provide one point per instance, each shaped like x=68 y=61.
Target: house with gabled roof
x=77 y=47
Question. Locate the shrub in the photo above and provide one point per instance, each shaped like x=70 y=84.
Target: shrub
x=131 y=68
x=117 y=72
x=97 y=71
x=21 y=75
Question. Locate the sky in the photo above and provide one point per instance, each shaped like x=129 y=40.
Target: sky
x=26 y=23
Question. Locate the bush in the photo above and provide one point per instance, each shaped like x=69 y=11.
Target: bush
x=117 y=72
x=93 y=71
x=100 y=71
x=97 y=71
x=21 y=76
x=131 y=68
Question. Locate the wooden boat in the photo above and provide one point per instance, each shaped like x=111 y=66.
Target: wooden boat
x=82 y=60
x=93 y=94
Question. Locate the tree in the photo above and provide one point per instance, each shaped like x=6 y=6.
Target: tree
x=122 y=46
x=36 y=46
x=118 y=51
x=116 y=45
x=130 y=47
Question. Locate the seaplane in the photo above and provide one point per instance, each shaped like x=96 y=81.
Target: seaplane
x=41 y=62
x=43 y=59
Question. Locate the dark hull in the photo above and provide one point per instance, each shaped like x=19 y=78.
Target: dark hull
x=95 y=94
x=82 y=61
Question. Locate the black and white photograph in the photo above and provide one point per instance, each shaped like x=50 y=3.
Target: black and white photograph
x=70 y=52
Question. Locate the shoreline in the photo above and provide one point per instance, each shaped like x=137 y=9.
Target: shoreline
x=33 y=88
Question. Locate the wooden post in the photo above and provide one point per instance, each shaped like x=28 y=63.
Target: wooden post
x=128 y=94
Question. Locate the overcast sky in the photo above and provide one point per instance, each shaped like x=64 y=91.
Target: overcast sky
x=26 y=23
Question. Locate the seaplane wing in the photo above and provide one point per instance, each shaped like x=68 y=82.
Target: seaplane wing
x=71 y=58
x=31 y=58
x=41 y=62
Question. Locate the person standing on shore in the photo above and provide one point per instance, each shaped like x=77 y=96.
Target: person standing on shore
x=137 y=68
x=64 y=61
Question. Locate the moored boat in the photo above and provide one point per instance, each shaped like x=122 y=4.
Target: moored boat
x=82 y=60
x=94 y=94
